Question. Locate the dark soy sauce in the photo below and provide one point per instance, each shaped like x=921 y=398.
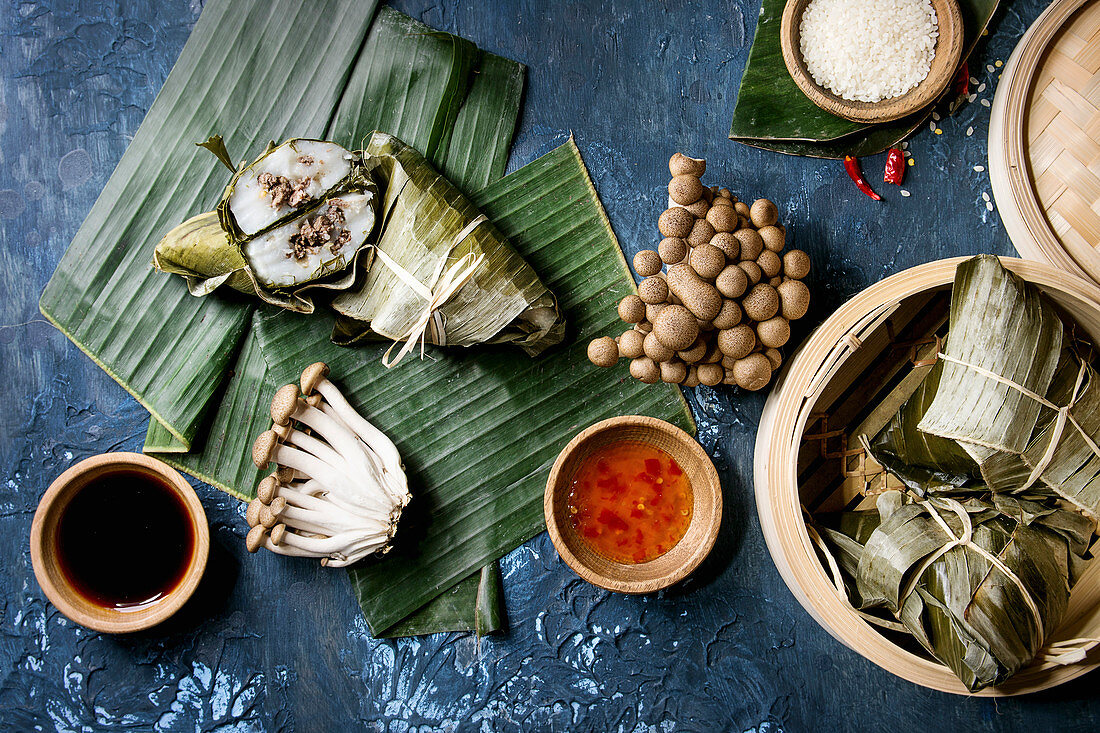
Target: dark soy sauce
x=125 y=540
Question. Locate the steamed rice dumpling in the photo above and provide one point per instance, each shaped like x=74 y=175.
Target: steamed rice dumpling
x=392 y=246
x=997 y=450
x=313 y=246
x=984 y=606
x=1012 y=401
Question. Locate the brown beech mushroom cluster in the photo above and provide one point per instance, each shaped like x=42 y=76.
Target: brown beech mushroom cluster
x=718 y=294
x=339 y=486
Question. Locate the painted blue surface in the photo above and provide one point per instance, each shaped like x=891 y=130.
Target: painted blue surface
x=277 y=644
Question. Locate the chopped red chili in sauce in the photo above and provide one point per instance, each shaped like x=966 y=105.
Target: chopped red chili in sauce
x=630 y=502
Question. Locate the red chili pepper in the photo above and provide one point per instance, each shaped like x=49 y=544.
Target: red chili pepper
x=962 y=79
x=612 y=520
x=852 y=166
x=895 y=167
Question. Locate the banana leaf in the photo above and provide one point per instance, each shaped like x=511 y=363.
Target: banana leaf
x=479 y=429
x=1002 y=325
x=922 y=461
x=423 y=214
x=140 y=326
x=136 y=324
x=962 y=608
x=772 y=112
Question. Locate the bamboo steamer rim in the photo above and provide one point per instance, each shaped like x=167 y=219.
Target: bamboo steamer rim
x=1010 y=170
x=783 y=422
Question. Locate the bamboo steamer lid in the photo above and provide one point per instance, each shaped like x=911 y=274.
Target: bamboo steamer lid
x=1044 y=139
x=834 y=346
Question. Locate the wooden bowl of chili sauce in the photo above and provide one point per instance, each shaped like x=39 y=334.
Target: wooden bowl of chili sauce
x=633 y=504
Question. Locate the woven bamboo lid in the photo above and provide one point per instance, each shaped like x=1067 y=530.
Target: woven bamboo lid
x=1044 y=139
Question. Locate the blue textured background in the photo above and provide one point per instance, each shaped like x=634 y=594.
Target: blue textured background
x=277 y=644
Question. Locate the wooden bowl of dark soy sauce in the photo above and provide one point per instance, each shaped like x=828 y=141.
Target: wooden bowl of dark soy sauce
x=119 y=542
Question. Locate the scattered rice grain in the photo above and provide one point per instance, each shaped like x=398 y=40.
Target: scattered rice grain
x=979 y=168
x=985 y=196
x=969 y=131
x=905 y=193
x=989 y=205
x=985 y=102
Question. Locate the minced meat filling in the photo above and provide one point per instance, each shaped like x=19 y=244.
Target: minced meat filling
x=283 y=192
x=319 y=231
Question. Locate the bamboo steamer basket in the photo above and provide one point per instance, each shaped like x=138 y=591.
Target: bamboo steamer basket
x=845 y=356
x=1044 y=139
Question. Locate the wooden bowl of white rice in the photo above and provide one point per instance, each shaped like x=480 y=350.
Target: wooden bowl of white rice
x=872 y=60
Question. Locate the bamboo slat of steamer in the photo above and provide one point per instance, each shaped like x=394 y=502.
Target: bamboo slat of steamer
x=1044 y=139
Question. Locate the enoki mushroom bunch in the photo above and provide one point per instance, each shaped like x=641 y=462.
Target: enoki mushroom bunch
x=339 y=486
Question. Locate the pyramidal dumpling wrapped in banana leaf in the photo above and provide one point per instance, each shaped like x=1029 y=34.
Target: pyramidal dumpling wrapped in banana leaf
x=981 y=582
x=429 y=229
x=403 y=253
x=1010 y=402
x=289 y=224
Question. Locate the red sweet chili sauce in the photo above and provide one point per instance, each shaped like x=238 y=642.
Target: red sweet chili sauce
x=630 y=502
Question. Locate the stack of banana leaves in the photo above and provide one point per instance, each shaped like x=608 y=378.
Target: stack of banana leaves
x=998 y=453
x=404 y=133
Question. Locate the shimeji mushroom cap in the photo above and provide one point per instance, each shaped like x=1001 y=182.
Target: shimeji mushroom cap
x=313 y=374
x=255 y=539
x=264 y=448
x=252 y=514
x=284 y=403
x=277 y=534
x=265 y=492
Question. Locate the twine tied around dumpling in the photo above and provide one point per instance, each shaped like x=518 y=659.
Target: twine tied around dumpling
x=446 y=281
x=1060 y=422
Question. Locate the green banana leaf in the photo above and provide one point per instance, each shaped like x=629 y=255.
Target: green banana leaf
x=137 y=324
x=964 y=610
x=479 y=429
x=921 y=460
x=140 y=325
x=772 y=112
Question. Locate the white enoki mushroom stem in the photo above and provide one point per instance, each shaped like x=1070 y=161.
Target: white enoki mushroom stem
x=330 y=476
x=392 y=475
x=370 y=435
x=339 y=486
x=358 y=456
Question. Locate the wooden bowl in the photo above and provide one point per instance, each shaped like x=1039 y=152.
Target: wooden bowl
x=949 y=47
x=674 y=565
x=837 y=375
x=44 y=550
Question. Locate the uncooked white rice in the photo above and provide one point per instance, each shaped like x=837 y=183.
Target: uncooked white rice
x=869 y=50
